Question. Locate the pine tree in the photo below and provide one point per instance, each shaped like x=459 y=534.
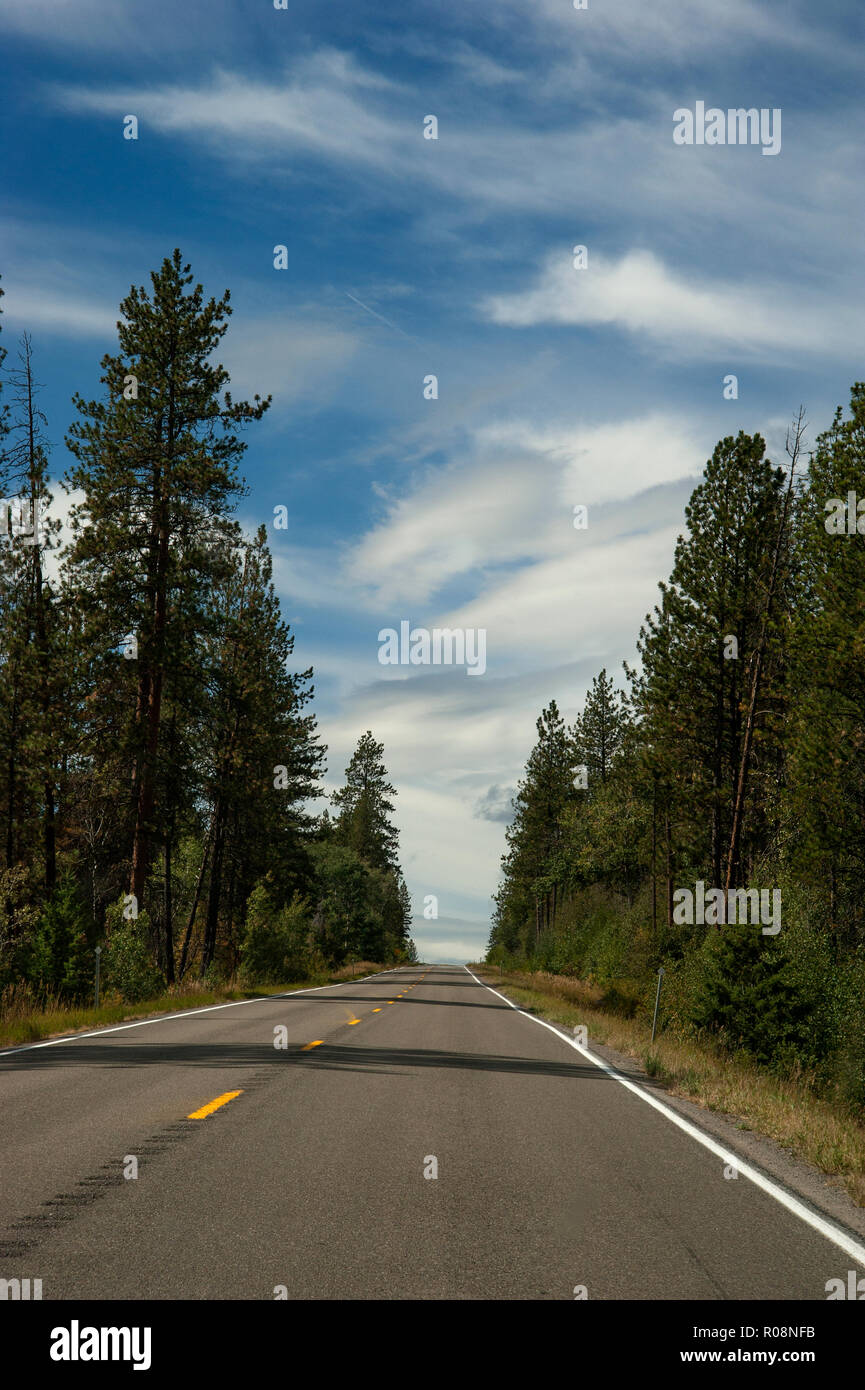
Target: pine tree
x=4 y=409
x=748 y=996
x=696 y=652
x=365 y=808
x=261 y=749
x=598 y=732
x=156 y=459
x=826 y=763
x=33 y=708
x=534 y=865
x=606 y=831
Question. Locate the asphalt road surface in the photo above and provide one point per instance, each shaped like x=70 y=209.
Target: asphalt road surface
x=551 y=1175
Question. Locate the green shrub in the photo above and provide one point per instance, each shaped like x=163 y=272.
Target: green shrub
x=751 y=999
x=62 y=959
x=127 y=963
x=274 y=945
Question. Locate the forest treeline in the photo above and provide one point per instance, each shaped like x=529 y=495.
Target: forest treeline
x=158 y=753
x=733 y=754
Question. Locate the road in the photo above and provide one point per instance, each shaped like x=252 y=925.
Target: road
x=551 y=1175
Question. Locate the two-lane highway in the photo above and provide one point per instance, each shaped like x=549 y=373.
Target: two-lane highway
x=407 y=1136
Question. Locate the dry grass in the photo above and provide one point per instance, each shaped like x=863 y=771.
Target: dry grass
x=355 y=971
x=786 y=1110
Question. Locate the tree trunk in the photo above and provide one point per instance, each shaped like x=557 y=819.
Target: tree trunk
x=214 y=893
x=735 y=833
x=654 y=860
x=167 y=911
x=191 y=922
x=669 y=870
x=151 y=707
x=49 y=830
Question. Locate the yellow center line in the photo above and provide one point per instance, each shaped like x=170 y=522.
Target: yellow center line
x=376 y=1011
x=318 y=1042
x=353 y=1021
x=213 y=1105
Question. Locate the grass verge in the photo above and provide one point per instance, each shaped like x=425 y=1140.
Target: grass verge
x=20 y=1023
x=824 y=1134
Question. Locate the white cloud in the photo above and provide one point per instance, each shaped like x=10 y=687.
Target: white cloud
x=324 y=107
x=451 y=940
x=511 y=503
x=92 y=23
x=617 y=158
x=31 y=307
x=638 y=294
x=125 y=28
x=590 y=602
x=557 y=604
x=669 y=30
x=445 y=848
x=311 y=577
x=62 y=503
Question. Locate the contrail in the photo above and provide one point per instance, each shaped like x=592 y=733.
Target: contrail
x=381 y=317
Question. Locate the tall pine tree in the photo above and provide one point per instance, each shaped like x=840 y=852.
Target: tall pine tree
x=156 y=460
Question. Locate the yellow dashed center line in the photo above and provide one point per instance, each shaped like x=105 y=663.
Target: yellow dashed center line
x=213 y=1105
x=199 y=1114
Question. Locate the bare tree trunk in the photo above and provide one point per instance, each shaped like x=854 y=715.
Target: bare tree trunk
x=215 y=891
x=167 y=911
x=654 y=861
x=190 y=923
x=49 y=832
x=794 y=445
x=669 y=870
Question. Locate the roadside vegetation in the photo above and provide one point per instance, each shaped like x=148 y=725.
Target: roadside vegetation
x=705 y=817
x=27 y=1019
x=160 y=763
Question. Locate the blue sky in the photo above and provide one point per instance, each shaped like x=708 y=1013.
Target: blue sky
x=304 y=127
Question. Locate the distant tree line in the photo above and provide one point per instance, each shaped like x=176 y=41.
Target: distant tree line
x=158 y=756
x=734 y=755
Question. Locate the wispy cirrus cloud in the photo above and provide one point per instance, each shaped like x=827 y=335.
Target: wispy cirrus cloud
x=509 y=500
x=667 y=31
x=323 y=104
x=69 y=315
x=328 y=115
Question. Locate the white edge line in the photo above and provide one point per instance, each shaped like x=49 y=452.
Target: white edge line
x=818 y=1223
x=190 y=1013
